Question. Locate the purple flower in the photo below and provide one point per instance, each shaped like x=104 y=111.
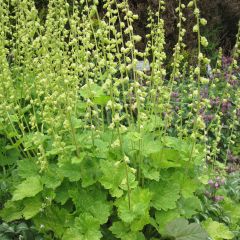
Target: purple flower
x=201 y=111
x=220 y=181
x=231 y=157
x=226 y=61
x=226 y=106
x=238 y=113
x=215 y=102
x=218 y=198
x=232 y=82
x=210 y=182
x=207 y=117
x=174 y=94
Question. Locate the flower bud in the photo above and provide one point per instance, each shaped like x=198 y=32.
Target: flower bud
x=190 y=4
x=203 y=21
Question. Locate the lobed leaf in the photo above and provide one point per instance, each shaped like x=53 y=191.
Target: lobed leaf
x=165 y=194
x=28 y=188
x=180 y=229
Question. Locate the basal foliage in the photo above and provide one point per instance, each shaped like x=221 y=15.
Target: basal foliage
x=97 y=147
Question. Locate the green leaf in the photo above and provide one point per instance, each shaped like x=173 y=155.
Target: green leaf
x=152 y=123
x=184 y=148
x=96 y=93
x=188 y=206
x=86 y=202
x=165 y=217
x=86 y=227
x=54 y=219
x=8 y=157
x=165 y=195
x=90 y=171
x=166 y=158
x=180 y=145
x=138 y=213
x=150 y=145
x=133 y=137
x=216 y=230
x=203 y=179
x=79 y=159
x=180 y=229
x=32 y=207
x=112 y=182
x=28 y=188
x=5 y=160
x=131 y=180
x=27 y=168
x=101 y=100
x=51 y=177
x=62 y=194
x=11 y=211
x=123 y=231
x=71 y=171
x=4 y=236
x=76 y=123
x=21 y=227
x=150 y=173
x=188 y=187
x=72 y=234
x=231 y=209
x=102 y=147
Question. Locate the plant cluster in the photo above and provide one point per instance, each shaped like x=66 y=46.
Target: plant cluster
x=96 y=147
x=221 y=206
x=18 y=231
